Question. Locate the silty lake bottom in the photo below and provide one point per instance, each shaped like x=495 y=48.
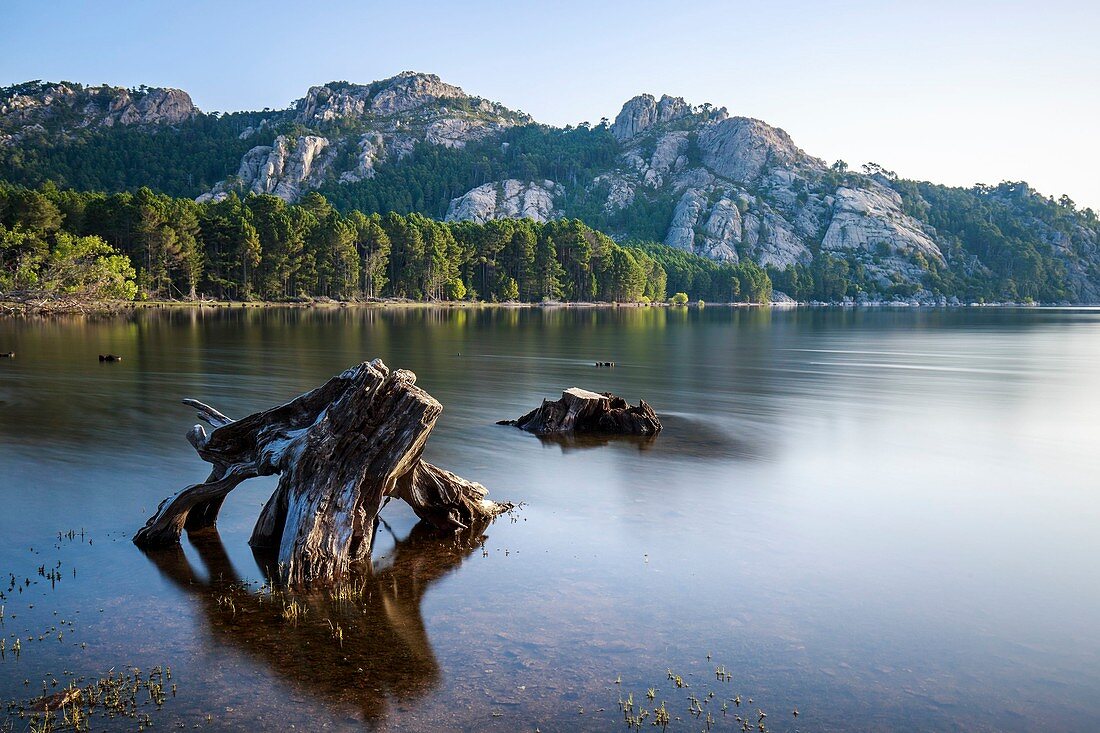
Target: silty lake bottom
x=885 y=519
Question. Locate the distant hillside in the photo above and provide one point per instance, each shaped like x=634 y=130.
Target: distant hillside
x=704 y=182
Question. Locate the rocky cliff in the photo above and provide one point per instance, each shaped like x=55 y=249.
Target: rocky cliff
x=510 y=199
x=645 y=111
x=741 y=188
x=286 y=168
x=736 y=188
x=66 y=106
x=365 y=125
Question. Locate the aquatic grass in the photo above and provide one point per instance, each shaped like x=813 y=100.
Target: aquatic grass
x=74 y=707
x=227 y=602
x=337 y=632
x=701 y=706
x=293 y=611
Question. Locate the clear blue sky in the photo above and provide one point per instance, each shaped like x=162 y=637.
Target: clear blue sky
x=956 y=92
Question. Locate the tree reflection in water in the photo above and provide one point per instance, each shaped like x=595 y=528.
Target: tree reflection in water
x=363 y=643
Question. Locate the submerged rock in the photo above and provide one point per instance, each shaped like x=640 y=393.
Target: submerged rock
x=582 y=411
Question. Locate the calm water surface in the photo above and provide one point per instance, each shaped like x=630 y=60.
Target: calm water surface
x=885 y=519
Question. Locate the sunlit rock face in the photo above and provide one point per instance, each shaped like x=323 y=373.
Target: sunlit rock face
x=365 y=126
x=738 y=188
x=71 y=107
x=644 y=111
x=285 y=169
x=739 y=148
x=406 y=91
x=871 y=220
x=509 y=199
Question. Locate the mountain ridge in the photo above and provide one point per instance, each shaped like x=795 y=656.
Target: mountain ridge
x=700 y=180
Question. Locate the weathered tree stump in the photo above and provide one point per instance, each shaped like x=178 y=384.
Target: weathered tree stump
x=581 y=411
x=340 y=451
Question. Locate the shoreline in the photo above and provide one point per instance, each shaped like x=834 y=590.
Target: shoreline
x=106 y=308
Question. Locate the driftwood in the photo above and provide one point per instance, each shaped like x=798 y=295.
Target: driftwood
x=28 y=302
x=341 y=451
x=581 y=411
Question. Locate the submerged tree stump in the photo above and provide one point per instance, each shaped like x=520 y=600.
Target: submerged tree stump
x=340 y=451
x=581 y=411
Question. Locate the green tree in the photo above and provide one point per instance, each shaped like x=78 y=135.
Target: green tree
x=406 y=256
x=21 y=256
x=373 y=246
x=548 y=271
x=87 y=267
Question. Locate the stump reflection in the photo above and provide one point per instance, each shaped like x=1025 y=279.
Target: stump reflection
x=362 y=643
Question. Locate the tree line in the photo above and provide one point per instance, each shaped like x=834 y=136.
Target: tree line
x=261 y=247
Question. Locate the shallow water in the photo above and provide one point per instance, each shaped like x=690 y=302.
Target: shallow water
x=884 y=518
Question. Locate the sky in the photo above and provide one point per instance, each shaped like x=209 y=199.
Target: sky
x=953 y=92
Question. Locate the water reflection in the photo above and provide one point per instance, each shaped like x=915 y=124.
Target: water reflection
x=885 y=517
x=682 y=436
x=580 y=441
x=363 y=645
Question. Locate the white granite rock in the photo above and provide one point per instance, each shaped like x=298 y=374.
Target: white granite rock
x=286 y=168
x=102 y=106
x=740 y=148
x=371 y=150
x=509 y=199
x=871 y=219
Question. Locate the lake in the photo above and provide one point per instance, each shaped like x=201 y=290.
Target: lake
x=883 y=519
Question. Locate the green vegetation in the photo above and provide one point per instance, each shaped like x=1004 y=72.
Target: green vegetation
x=427 y=180
x=38 y=257
x=180 y=161
x=1001 y=240
x=701 y=279
x=262 y=247
x=826 y=278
